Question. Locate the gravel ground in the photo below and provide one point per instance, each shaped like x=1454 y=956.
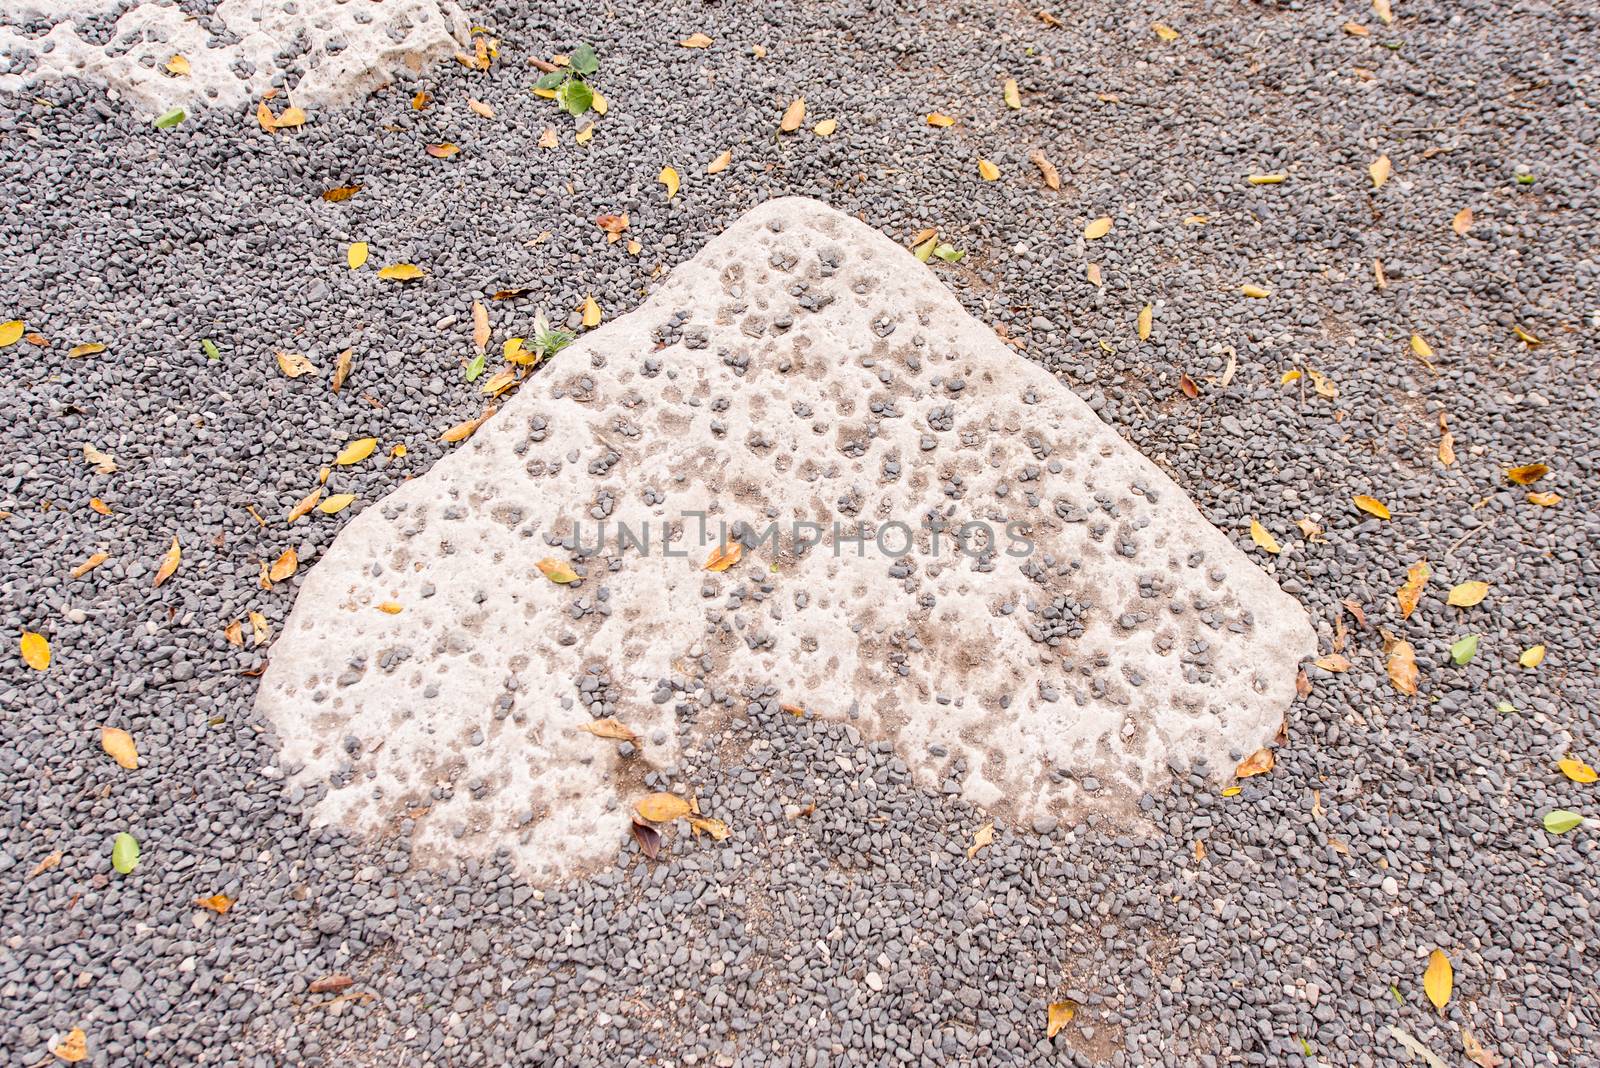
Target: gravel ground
x=856 y=931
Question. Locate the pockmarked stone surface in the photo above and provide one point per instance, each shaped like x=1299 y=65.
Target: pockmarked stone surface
x=338 y=49
x=936 y=540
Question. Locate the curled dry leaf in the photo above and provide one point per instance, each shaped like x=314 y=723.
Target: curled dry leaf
x=401 y=272
x=90 y=564
x=1382 y=10
x=793 y=115
x=293 y=364
x=480 y=325
x=103 y=462
x=1263 y=538
x=1097 y=228
x=331 y=984
x=549 y=138
x=1092 y=273
x=463 y=431
x=939 y=120
x=442 y=151
x=611 y=728
x=356 y=451
x=1467 y=594
x=720 y=164
x=649 y=839
x=1410 y=594
x=1052 y=177
x=72 y=1047
x=715 y=828
x=1523 y=335
x=1400 y=660
x=1527 y=474
x=1462 y=222
x=1544 y=500
x=1275 y=178
x=981 y=837
x=284 y=566
x=341 y=369
x=1355 y=29
x=35 y=650
x=259 y=630
x=1334 y=662
x=1371 y=505
x=558 y=571
x=234 y=633
x=1058 y=1015
x=1477 y=1053
x=662 y=807
x=304 y=505
x=696 y=40
x=169 y=562
x=1258 y=763
x=724 y=556
x=218 y=903
x=1013 y=97
x=1254 y=291
x=99 y=506
x=341 y=193
x=1439 y=980
x=1447 y=442
x=669 y=178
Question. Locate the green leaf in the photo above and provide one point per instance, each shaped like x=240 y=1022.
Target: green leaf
x=1560 y=821
x=209 y=347
x=169 y=119
x=124 y=853
x=1505 y=706
x=1524 y=179
x=475 y=368
x=1396 y=992
x=583 y=59
x=574 y=97
x=948 y=253
x=551 y=80
x=1464 y=650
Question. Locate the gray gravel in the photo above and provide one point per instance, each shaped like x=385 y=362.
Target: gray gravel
x=860 y=932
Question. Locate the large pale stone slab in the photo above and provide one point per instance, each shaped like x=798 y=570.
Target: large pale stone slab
x=801 y=368
x=350 y=47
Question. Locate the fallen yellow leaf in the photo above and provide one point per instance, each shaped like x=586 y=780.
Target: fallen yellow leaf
x=441 y=151
x=669 y=178
x=1058 y=1015
x=356 y=451
x=720 y=164
x=73 y=1047
x=480 y=109
x=1401 y=661
x=1097 y=229
x=1379 y=170
x=1371 y=505
x=1275 y=178
x=88 y=348
x=1577 y=770
x=1013 y=96
x=35 y=650
x=591 y=312
x=90 y=564
x=480 y=326
x=987 y=170
x=1467 y=594
x=1462 y=222
x=293 y=364
x=1147 y=316
x=304 y=505
x=936 y=119
x=696 y=40
x=390 y=608
x=558 y=571
x=1532 y=656
x=1527 y=474
x=336 y=503
x=1263 y=537
x=715 y=828
x=1165 y=32
x=793 y=115
x=1544 y=500
x=1410 y=594
x=463 y=431
x=401 y=272
x=662 y=807
x=178 y=66
x=1439 y=979
x=1258 y=292
x=218 y=903
x=169 y=562
x=356 y=255
x=825 y=128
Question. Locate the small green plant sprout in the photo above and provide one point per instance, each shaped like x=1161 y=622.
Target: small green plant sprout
x=546 y=341
x=573 y=94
